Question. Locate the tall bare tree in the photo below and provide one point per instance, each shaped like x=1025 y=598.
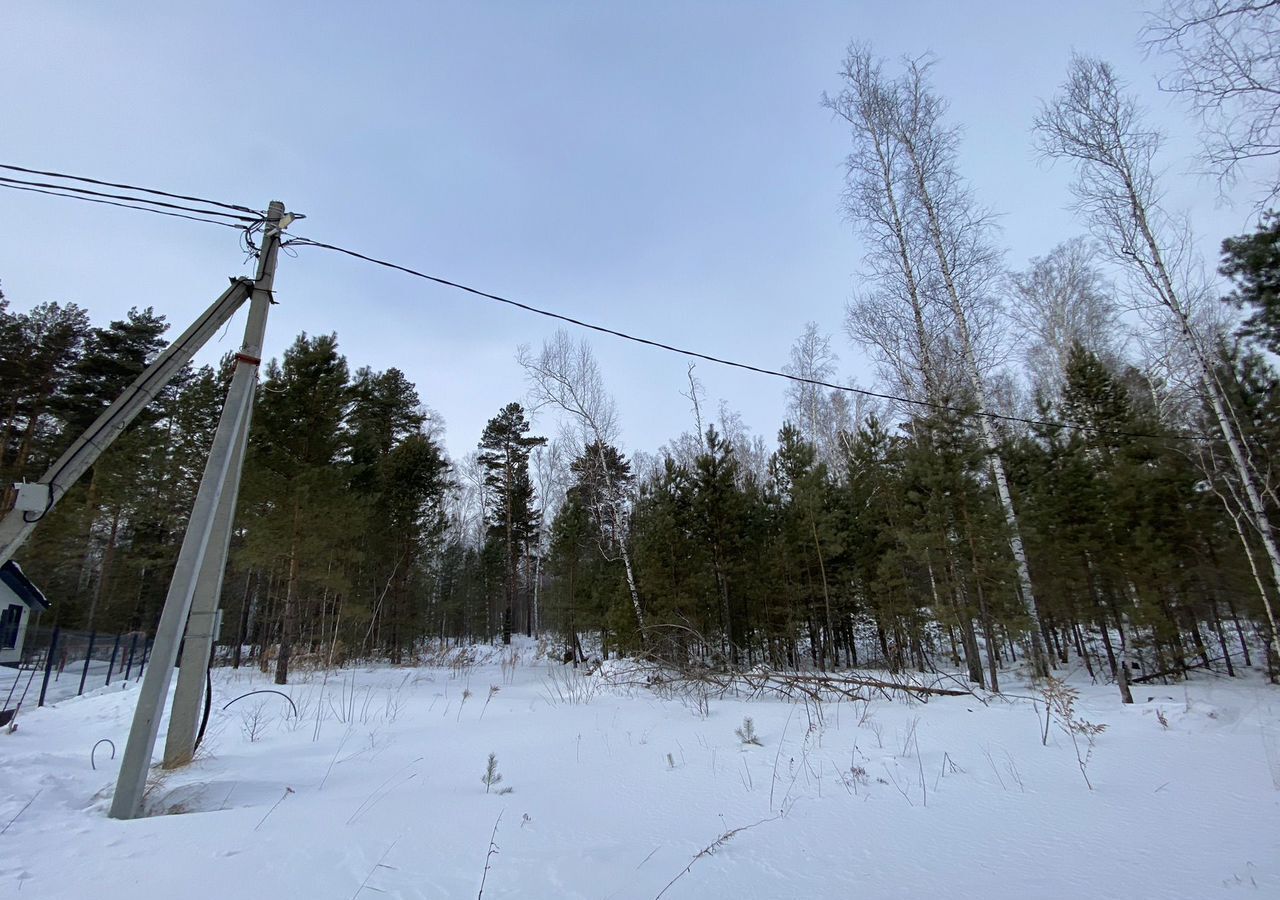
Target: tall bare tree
x=1226 y=65
x=1060 y=300
x=565 y=376
x=936 y=247
x=893 y=316
x=814 y=409
x=1097 y=126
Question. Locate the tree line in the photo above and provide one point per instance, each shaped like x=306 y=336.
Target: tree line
x=1077 y=467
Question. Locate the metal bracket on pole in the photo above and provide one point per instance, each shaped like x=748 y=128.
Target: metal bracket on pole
x=203 y=553
x=17 y=522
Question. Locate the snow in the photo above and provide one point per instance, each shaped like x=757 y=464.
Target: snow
x=378 y=784
x=14 y=683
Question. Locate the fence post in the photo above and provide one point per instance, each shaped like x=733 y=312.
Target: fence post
x=48 y=665
x=146 y=654
x=133 y=644
x=111 y=665
x=88 y=658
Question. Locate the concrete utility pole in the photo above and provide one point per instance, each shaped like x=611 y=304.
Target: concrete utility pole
x=198 y=644
x=201 y=561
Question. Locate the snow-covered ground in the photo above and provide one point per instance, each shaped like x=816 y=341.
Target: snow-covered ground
x=14 y=683
x=377 y=788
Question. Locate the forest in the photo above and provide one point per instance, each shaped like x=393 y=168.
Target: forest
x=1067 y=464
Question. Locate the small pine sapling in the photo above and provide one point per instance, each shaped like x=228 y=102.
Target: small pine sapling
x=747 y=733
x=492 y=777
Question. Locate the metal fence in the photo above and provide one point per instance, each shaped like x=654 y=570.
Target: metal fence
x=58 y=663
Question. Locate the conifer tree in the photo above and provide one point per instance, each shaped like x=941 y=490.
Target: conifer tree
x=802 y=491
x=293 y=479
x=1252 y=262
x=718 y=512
x=43 y=347
x=505 y=446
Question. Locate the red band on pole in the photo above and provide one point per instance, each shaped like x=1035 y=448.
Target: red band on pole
x=246 y=358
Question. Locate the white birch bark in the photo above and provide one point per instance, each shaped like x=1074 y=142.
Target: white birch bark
x=1092 y=123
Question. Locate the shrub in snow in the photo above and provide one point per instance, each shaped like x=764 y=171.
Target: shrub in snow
x=1060 y=699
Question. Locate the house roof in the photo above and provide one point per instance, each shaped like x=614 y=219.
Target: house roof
x=13 y=578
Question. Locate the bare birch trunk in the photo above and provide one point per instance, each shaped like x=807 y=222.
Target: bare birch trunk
x=946 y=264
x=1098 y=127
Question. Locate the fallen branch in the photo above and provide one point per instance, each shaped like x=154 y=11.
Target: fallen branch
x=493 y=848
x=376 y=866
x=1180 y=669
x=849 y=686
x=21 y=811
x=287 y=792
x=711 y=849
x=816 y=686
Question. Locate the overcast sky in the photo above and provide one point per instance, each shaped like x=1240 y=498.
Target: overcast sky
x=661 y=168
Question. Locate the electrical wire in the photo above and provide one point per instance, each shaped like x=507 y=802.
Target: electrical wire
x=131 y=187
x=159 y=212
x=244 y=224
x=760 y=370
x=238 y=217
x=248 y=224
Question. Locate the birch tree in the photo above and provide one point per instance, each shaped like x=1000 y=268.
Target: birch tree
x=935 y=251
x=892 y=316
x=1094 y=124
x=565 y=376
x=1061 y=300
x=821 y=414
x=1226 y=66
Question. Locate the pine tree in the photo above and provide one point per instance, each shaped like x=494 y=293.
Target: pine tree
x=385 y=410
x=43 y=348
x=672 y=563
x=505 y=446
x=407 y=523
x=864 y=509
x=113 y=357
x=802 y=491
x=294 y=485
x=1252 y=262
x=718 y=513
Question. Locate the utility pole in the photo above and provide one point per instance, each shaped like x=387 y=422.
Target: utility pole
x=202 y=558
x=198 y=643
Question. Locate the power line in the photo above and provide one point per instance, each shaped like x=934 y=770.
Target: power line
x=99 y=197
x=161 y=203
x=648 y=342
x=159 y=212
x=131 y=187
